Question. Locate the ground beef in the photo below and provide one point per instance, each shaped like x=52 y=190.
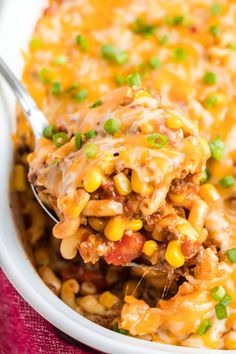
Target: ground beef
x=179 y=185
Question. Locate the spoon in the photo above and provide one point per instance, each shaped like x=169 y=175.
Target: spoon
x=35 y=117
x=38 y=122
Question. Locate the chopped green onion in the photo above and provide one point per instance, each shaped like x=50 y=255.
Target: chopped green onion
x=226 y=300
x=227 y=181
x=174 y=21
x=60 y=139
x=214 y=30
x=90 y=134
x=78 y=140
x=56 y=88
x=217 y=148
x=179 y=54
x=111 y=126
x=216 y=9
x=109 y=52
x=120 y=80
x=221 y=312
x=60 y=60
x=90 y=150
x=143 y=28
x=231 y=254
x=218 y=293
x=211 y=101
x=205 y=176
x=72 y=87
x=81 y=95
x=204 y=326
x=45 y=75
x=115 y=328
x=82 y=42
x=209 y=78
x=49 y=131
x=35 y=43
x=157 y=140
x=134 y=79
x=96 y=104
x=163 y=39
x=121 y=58
x=154 y=62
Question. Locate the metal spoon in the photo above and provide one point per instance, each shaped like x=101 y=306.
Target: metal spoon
x=35 y=117
x=38 y=122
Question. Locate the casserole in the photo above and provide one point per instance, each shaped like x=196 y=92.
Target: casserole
x=17 y=266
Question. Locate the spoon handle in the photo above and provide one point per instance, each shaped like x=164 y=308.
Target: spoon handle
x=35 y=117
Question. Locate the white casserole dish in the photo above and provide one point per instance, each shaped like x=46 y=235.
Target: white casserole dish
x=17 y=20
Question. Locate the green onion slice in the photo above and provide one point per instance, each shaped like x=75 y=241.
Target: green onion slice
x=204 y=326
x=141 y=27
x=111 y=126
x=60 y=60
x=45 y=75
x=109 y=52
x=49 y=131
x=90 y=134
x=217 y=148
x=221 y=312
x=82 y=42
x=120 y=80
x=60 y=139
x=90 y=150
x=96 y=104
x=231 y=254
x=81 y=95
x=134 y=79
x=209 y=78
x=157 y=140
x=206 y=175
x=179 y=54
x=154 y=63
x=78 y=140
x=226 y=300
x=218 y=293
x=227 y=181
x=115 y=328
x=56 y=88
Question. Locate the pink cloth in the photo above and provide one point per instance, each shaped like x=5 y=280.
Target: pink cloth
x=24 y=331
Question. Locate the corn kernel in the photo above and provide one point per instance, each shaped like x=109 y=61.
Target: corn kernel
x=176 y=198
x=205 y=146
x=122 y=184
x=115 y=228
x=107 y=299
x=174 y=122
x=209 y=193
x=138 y=185
x=174 y=255
x=108 y=164
x=141 y=94
x=149 y=247
x=187 y=230
x=97 y=224
x=134 y=225
x=19 y=176
x=92 y=180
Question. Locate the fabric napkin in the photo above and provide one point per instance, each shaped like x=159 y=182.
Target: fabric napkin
x=24 y=331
